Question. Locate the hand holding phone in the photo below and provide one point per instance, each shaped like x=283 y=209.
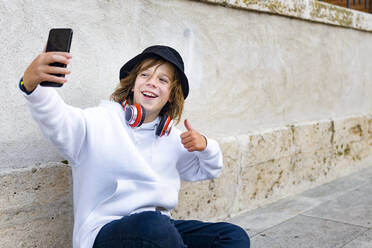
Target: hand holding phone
x=40 y=70
x=59 y=40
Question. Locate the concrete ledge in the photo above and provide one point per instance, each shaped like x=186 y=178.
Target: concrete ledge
x=36 y=203
x=36 y=207
x=310 y=10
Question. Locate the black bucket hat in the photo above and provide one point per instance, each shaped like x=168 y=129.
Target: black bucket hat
x=168 y=54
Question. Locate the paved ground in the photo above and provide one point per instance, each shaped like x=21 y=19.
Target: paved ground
x=337 y=214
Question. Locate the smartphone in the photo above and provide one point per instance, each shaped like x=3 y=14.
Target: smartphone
x=59 y=40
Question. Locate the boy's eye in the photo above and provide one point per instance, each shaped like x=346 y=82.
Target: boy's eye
x=163 y=80
x=144 y=74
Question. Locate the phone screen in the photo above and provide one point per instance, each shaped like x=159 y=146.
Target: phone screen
x=59 y=40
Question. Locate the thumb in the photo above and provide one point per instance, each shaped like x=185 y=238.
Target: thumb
x=187 y=125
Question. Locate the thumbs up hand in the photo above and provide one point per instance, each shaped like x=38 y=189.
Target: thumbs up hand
x=192 y=140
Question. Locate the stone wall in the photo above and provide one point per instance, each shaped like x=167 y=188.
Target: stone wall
x=262 y=168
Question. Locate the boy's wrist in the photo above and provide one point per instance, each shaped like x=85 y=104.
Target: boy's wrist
x=23 y=87
x=206 y=142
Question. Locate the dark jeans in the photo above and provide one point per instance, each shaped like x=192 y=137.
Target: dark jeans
x=151 y=229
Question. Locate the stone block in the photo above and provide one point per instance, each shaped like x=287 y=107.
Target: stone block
x=263 y=182
x=36 y=207
x=47 y=231
x=347 y=130
x=193 y=198
x=310 y=168
x=215 y=198
x=42 y=185
x=267 y=146
x=309 y=137
x=351 y=140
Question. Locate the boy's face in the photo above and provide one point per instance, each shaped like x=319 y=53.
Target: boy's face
x=152 y=88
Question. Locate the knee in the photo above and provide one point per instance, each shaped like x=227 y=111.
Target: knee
x=238 y=234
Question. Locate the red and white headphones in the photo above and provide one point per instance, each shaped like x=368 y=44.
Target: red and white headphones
x=135 y=115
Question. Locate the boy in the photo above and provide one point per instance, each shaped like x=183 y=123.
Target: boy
x=126 y=160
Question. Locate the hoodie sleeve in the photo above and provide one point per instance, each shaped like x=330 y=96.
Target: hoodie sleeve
x=62 y=124
x=197 y=166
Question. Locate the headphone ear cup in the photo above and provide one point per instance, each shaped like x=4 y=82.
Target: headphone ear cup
x=159 y=129
x=128 y=114
x=165 y=126
x=143 y=115
x=134 y=114
x=138 y=116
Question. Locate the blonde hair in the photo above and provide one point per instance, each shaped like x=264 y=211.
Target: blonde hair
x=172 y=108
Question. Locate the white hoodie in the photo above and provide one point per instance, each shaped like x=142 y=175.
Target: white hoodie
x=117 y=169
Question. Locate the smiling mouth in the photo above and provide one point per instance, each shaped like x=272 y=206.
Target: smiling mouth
x=149 y=94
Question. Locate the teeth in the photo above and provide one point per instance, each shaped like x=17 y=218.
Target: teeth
x=149 y=94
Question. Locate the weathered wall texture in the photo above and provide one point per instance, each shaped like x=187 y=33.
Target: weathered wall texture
x=287 y=99
x=311 y=10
